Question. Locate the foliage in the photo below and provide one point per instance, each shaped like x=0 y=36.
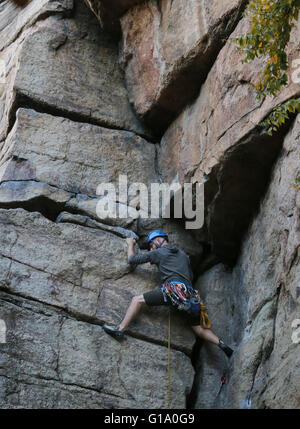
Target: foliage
x=279 y=114
x=296 y=185
x=271 y=24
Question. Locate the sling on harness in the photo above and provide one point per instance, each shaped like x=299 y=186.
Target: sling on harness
x=185 y=298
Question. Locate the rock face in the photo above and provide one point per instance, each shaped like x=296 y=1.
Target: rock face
x=82 y=271
x=109 y=12
x=64 y=272
x=183 y=111
x=73 y=156
x=216 y=140
x=14 y=19
x=74 y=364
x=259 y=300
x=167 y=50
x=36 y=65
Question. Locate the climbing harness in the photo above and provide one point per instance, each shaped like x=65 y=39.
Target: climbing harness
x=186 y=298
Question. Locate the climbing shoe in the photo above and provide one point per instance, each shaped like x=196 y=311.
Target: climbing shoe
x=226 y=349
x=113 y=331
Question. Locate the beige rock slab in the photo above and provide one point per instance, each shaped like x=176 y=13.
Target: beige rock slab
x=53 y=361
x=81 y=270
x=168 y=48
x=70 y=67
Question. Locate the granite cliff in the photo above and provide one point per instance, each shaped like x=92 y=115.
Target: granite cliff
x=155 y=90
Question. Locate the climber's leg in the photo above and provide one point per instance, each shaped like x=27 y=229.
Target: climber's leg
x=134 y=308
x=206 y=334
x=151 y=298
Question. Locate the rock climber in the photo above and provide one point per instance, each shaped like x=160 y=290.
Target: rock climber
x=176 y=289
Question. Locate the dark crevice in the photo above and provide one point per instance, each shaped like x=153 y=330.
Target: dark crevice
x=185 y=85
x=240 y=182
x=45 y=206
x=51 y=210
x=250 y=164
x=207 y=261
x=14 y=298
x=24 y=101
x=191 y=398
x=109 y=13
x=51 y=185
x=233 y=194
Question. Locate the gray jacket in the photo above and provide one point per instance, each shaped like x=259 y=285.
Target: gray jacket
x=172 y=263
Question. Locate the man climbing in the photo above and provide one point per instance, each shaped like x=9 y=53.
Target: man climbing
x=176 y=289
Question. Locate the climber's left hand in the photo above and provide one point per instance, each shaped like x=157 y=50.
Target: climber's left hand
x=130 y=241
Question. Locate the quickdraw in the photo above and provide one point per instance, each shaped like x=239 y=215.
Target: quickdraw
x=222 y=381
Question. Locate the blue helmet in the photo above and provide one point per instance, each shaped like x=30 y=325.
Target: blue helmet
x=154 y=234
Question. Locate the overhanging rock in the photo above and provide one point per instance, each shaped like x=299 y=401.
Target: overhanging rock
x=109 y=13
x=68 y=67
x=217 y=141
x=168 y=47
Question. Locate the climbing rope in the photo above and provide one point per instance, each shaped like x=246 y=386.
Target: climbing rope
x=169 y=361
